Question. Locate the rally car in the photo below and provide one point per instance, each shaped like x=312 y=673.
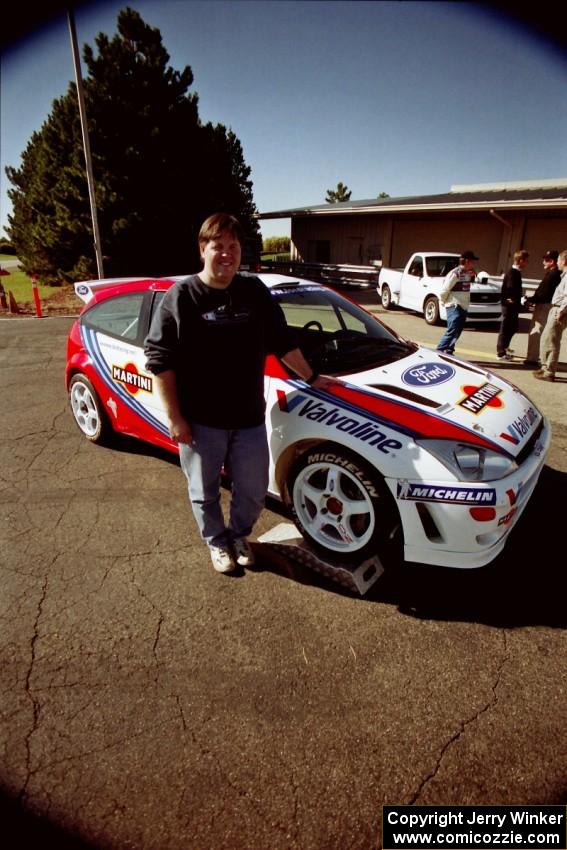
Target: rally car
x=410 y=449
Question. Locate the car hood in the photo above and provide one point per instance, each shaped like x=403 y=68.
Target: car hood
x=432 y=395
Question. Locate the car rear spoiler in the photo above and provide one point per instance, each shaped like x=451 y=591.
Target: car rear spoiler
x=85 y=289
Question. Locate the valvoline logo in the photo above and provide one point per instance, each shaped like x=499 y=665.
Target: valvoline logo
x=427 y=374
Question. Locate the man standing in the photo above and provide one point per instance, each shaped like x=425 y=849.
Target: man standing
x=540 y=302
x=555 y=325
x=206 y=347
x=455 y=294
x=511 y=300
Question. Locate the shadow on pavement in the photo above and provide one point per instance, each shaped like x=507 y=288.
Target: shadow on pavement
x=24 y=829
x=525 y=585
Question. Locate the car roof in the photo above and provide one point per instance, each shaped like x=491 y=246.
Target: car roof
x=90 y=291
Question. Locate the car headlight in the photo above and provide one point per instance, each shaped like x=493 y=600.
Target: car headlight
x=468 y=462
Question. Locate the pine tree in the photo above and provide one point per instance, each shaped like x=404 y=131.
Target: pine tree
x=338 y=195
x=158 y=170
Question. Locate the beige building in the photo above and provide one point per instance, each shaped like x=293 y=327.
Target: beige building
x=493 y=219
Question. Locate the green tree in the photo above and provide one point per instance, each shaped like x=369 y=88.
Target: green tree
x=383 y=195
x=158 y=170
x=338 y=195
x=277 y=244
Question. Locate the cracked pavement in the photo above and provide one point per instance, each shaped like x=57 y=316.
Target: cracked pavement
x=149 y=703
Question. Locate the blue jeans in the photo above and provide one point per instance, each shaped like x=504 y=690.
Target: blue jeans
x=244 y=455
x=456 y=318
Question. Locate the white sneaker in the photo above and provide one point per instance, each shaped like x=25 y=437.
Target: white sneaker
x=504 y=357
x=243 y=552
x=223 y=562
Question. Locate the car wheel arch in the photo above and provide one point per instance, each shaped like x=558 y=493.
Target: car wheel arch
x=384 y=535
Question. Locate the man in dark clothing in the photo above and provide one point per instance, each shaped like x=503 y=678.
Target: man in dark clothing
x=206 y=347
x=540 y=303
x=511 y=300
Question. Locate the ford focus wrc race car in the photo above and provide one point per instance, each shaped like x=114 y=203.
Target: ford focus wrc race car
x=410 y=451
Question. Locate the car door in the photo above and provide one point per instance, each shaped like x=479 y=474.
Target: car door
x=113 y=333
x=414 y=285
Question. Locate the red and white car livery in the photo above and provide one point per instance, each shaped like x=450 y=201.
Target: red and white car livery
x=409 y=451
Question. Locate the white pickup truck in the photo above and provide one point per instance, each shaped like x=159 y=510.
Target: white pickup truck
x=417 y=287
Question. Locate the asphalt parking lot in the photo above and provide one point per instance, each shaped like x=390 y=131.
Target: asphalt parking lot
x=150 y=703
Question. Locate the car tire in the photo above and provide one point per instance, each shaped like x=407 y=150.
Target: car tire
x=431 y=311
x=386 y=297
x=326 y=485
x=87 y=410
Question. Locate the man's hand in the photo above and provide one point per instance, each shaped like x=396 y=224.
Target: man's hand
x=180 y=430
x=323 y=382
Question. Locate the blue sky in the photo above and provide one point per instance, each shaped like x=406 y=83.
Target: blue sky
x=398 y=97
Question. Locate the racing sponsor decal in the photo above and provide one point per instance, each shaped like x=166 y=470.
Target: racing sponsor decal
x=477 y=398
x=402 y=416
x=129 y=376
x=444 y=493
x=428 y=374
x=280 y=290
x=504 y=520
x=521 y=426
x=356 y=426
x=100 y=363
x=338 y=460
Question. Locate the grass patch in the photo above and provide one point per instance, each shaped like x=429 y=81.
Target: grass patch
x=20 y=285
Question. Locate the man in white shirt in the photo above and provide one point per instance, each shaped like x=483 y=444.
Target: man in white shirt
x=556 y=323
x=455 y=294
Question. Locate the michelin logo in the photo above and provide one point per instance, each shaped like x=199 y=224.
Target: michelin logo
x=435 y=493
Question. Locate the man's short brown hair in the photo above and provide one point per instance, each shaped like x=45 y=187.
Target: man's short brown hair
x=520 y=255
x=218 y=223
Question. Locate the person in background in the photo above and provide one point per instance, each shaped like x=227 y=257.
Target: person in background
x=207 y=347
x=540 y=303
x=554 y=327
x=511 y=300
x=455 y=294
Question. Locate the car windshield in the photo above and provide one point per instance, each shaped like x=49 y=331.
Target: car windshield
x=441 y=266
x=336 y=335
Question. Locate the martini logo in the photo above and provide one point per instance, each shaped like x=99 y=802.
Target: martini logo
x=129 y=376
x=477 y=398
x=428 y=374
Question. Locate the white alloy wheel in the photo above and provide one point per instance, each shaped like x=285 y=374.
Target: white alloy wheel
x=341 y=507
x=87 y=409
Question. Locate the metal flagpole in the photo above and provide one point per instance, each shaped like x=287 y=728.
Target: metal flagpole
x=86 y=145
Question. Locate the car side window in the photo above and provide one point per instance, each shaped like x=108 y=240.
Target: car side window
x=119 y=317
x=156 y=301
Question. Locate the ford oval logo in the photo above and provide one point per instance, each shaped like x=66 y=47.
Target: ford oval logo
x=428 y=374
x=82 y=290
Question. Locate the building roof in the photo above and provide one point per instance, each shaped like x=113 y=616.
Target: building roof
x=532 y=194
